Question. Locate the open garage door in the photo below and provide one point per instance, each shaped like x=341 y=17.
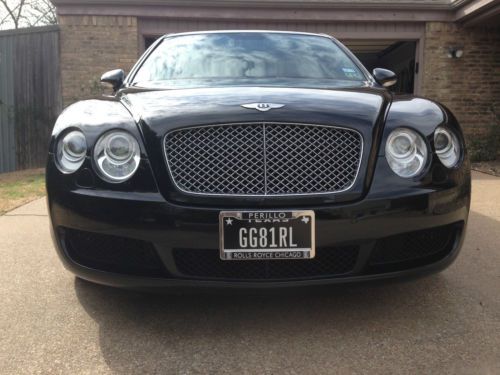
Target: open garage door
x=396 y=55
x=392 y=46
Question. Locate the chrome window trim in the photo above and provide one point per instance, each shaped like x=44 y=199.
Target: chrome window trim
x=263 y=123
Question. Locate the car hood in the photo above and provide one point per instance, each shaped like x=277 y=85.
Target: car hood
x=157 y=112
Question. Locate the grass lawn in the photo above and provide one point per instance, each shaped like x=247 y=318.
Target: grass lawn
x=490 y=167
x=18 y=188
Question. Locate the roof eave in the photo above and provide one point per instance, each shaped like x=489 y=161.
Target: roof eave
x=310 y=4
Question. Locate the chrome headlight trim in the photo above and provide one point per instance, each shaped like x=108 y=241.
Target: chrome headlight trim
x=406 y=152
x=447 y=147
x=71 y=151
x=117 y=156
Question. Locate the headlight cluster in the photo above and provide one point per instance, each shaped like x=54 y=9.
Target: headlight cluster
x=406 y=150
x=116 y=155
x=71 y=151
x=447 y=147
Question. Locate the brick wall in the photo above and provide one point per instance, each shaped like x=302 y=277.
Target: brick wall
x=470 y=85
x=90 y=46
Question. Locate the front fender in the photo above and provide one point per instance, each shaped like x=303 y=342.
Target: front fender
x=95 y=117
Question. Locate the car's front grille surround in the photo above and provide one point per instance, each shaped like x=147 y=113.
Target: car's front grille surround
x=263 y=159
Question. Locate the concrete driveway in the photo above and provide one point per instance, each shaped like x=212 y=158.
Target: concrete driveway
x=448 y=323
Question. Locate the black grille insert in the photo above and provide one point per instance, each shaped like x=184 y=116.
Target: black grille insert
x=200 y=263
x=413 y=249
x=112 y=253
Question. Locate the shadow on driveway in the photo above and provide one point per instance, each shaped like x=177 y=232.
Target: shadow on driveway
x=262 y=332
x=443 y=323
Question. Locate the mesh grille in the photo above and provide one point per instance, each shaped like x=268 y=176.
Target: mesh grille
x=412 y=246
x=111 y=253
x=200 y=263
x=263 y=159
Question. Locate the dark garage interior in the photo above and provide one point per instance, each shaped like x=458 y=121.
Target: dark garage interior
x=398 y=56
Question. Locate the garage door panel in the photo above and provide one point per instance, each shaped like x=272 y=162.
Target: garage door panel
x=351 y=30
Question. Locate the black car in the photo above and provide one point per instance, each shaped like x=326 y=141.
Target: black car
x=255 y=158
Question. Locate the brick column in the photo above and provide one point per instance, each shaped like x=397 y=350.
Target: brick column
x=470 y=85
x=90 y=46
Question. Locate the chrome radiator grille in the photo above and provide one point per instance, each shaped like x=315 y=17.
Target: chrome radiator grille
x=263 y=159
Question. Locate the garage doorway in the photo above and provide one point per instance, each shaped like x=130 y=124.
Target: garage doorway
x=398 y=56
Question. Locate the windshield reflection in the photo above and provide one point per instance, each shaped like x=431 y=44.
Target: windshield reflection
x=246 y=58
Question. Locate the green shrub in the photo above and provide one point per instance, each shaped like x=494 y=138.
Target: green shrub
x=485 y=148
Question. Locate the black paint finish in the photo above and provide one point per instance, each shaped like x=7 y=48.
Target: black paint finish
x=386 y=78
x=115 y=78
x=148 y=207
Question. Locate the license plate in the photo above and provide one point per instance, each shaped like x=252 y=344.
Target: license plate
x=263 y=235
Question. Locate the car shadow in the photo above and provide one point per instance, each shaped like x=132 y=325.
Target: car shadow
x=174 y=332
x=445 y=321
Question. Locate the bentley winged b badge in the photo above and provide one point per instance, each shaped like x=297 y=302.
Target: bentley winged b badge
x=263 y=107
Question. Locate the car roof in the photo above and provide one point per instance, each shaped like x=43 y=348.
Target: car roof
x=247 y=31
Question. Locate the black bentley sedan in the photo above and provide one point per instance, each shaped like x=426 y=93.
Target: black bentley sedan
x=257 y=159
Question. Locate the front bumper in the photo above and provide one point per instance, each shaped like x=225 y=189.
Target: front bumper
x=388 y=216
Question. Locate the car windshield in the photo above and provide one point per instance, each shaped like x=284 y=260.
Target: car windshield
x=248 y=58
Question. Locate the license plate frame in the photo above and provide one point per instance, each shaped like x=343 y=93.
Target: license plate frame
x=268 y=219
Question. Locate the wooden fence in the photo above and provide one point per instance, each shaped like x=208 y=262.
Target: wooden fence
x=30 y=95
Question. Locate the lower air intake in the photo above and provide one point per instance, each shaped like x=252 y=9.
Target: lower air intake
x=112 y=253
x=413 y=249
x=206 y=264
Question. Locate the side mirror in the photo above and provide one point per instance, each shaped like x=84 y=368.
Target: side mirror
x=386 y=78
x=115 y=78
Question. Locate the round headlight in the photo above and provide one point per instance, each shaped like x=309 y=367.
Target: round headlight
x=71 y=151
x=447 y=147
x=406 y=152
x=117 y=155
